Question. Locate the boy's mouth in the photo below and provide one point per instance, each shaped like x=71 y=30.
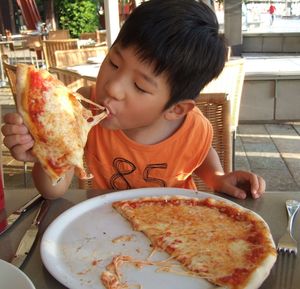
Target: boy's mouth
x=107 y=109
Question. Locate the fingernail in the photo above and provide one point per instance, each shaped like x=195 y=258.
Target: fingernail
x=243 y=196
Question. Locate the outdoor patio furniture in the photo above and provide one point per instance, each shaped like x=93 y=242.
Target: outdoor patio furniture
x=58 y=34
x=50 y=46
x=65 y=58
x=18 y=48
x=216 y=108
x=230 y=81
x=98 y=36
x=34 y=44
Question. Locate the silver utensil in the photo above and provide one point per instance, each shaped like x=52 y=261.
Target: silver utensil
x=29 y=237
x=13 y=217
x=287 y=243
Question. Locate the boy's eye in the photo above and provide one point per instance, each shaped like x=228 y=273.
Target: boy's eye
x=112 y=64
x=139 y=88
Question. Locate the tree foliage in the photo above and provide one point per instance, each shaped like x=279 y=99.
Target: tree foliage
x=78 y=15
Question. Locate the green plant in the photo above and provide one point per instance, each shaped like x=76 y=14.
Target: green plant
x=78 y=15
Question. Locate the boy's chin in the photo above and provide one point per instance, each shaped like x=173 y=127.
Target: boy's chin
x=106 y=123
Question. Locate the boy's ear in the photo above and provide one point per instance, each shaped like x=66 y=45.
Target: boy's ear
x=179 y=109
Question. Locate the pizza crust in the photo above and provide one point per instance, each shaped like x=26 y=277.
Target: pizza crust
x=260 y=274
x=56 y=119
x=21 y=82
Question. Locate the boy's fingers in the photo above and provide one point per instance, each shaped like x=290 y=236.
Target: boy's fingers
x=23 y=153
x=257 y=184
x=13 y=129
x=235 y=192
x=22 y=149
x=261 y=188
x=13 y=118
x=14 y=140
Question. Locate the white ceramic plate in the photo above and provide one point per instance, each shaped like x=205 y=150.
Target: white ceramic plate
x=12 y=277
x=78 y=245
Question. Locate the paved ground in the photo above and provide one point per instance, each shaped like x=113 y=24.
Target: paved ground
x=272 y=151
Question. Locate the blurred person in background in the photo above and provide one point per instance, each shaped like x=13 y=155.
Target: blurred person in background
x=271 y=11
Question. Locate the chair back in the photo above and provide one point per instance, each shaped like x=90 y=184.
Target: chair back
x=50 y=46
x=35 y=46
x=59 y=34
x=230 y=81
x=78 y=56
x=34 y=42
x=216 y=108
x=10 y=71
x=101 y=36
x=73 y=57
x=89 y=35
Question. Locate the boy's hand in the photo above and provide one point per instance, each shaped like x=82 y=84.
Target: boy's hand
x=240 y=183
x=17 y=138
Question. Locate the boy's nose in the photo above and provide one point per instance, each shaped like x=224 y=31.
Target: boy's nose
x=115 y=89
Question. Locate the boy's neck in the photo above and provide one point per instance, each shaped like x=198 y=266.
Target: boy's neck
x=154 y=134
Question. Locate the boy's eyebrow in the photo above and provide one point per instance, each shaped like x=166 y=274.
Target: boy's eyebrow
x=148 y=78
x=144 y=75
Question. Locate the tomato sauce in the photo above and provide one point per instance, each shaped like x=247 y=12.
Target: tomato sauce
x=236 y=278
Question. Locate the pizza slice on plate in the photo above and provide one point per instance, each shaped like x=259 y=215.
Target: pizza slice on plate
x=224 y=243
x=56 y=119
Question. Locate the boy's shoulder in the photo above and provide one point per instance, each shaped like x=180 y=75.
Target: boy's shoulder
x=198 y=116
x=196 y=121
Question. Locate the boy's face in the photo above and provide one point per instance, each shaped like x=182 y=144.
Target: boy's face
x=133 y=94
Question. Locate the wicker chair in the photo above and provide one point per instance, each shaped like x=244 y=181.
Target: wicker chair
x=230 y=81
x=50 y=46
x=216 y=107
x=72 y=57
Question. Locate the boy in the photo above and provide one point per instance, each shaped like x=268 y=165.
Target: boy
x=165 y=53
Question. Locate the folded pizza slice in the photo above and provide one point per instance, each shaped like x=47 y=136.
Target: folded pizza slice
x=56 y=119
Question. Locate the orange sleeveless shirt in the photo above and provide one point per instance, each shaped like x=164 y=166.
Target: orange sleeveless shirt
x=119 y=163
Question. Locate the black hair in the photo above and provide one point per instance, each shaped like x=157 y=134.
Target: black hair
x=181 y=39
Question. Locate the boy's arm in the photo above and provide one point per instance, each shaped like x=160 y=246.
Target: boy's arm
x=236 y=184
x=44 y=185
x=210 y=169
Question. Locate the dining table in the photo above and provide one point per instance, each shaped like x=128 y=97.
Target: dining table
x=271 y=207
x=86 y=71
